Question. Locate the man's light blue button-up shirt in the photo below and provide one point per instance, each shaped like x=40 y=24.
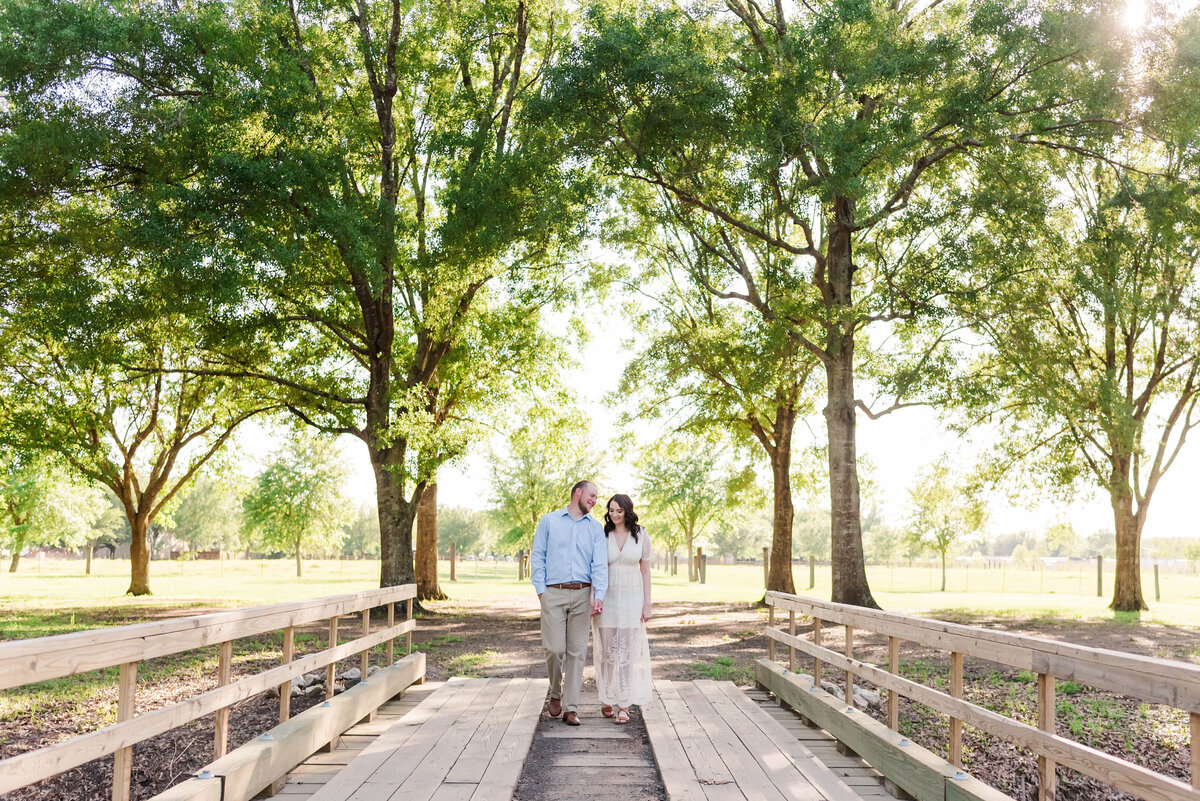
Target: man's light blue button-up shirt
x=566 y=551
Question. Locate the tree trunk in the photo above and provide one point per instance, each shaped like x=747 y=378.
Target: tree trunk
x=849 y=571
x=91 y=546
x=299 y=563
x=943 y=571
x=1127 y=588
x=139 y=556
x=396 y=517
x=779 y=575
x=16 y=554
x=691 y=559
x=427 y=545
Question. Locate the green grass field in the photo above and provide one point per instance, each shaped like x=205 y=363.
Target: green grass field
x=55 y=596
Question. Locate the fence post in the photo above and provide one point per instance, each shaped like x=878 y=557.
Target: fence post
x=521 y=565
x=391 y=643
x=1047 y=781
x=1195 y=719
x=816 y=659
x=408 y=634
x=956 y=725
x=224 y=674
x=849 y=673
x=792 y=648
x=453 y=555
x=766 y=568
x=1157 y=589
x=893 y=696
x=1099 y=575
x=123 y=759
x=366 y=654
x=812 y=571
x=331 y=668
x=703 y=568
x=770 y=625
x=285 y=689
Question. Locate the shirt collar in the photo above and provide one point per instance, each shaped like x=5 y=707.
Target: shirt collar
x=566 y=512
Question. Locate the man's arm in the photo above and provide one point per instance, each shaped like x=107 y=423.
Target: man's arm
x=537 y=557
x=599 y=565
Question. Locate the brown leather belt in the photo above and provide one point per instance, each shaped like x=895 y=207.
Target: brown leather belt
x=579 y=585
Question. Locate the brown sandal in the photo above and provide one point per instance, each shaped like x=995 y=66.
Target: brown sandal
x=622 y=716
x=606 y=710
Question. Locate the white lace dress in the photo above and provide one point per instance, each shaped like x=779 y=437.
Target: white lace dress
x=620 y=647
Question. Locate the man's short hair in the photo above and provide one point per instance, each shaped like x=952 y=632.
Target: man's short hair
x=580 y=485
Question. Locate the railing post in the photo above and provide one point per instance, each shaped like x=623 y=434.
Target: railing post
x=1099 y=575
x=816 y=660
x=770 y=625
x=391 y=643
x=703 y=568
x=1047 y=782
x=1157 y=587
x=126 y=706
x=792 y=648
x=766 y=567
x=331 y=668
x=224 y=674
x=893 y=696
x=850 y=673
x=1195 y=765
x=408 y=605
x=812 y=571
x=453 y=554
x=956 y=725
x=365 y=661
x=285 y=689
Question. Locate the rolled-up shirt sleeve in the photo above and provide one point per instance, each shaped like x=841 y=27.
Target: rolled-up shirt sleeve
x=599 y=565
x=537 y=556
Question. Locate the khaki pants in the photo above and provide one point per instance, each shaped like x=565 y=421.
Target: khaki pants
x=566 y=618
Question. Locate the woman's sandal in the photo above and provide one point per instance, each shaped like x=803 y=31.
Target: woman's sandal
x=622 y=716
x=606 y=710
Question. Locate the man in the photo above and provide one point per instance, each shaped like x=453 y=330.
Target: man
x=569 y=568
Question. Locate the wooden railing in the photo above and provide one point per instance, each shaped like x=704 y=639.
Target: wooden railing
x=30 y=661
x=1158 y=681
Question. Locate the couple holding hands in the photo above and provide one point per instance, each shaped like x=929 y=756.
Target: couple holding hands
x=588 y=573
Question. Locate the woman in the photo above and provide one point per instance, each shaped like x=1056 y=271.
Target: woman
x=622 y=651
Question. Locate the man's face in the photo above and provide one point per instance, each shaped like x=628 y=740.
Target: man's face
x=588 y=496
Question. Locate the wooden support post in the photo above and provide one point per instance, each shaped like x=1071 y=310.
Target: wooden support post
x=1157 y=588
x=453 y=555
x=391 y=643
x=792 y=648
x=849 y=674
x=956 y=725
x=331 y=669
x=365 y=661
x=285 y=689
x=1047 y=782
x=1099 y=575
x=816 y=661
x=812 y=571
x=766 y=567
x=703 y=568
x=893 y=696
x=771 y=625
x=224 y=674
x=521 y=565
x=1195 y=717
x=126 y=707
x=408 y=634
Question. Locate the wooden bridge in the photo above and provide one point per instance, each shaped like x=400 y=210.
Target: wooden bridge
x=393 y=737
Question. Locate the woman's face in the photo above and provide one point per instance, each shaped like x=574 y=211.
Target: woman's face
x=616 y=513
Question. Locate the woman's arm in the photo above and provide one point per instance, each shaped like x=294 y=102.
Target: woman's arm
x=647 y=555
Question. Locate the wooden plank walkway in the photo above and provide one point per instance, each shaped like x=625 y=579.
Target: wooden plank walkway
x=468 y=739
x=713 y=743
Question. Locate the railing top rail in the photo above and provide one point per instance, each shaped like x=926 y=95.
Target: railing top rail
x=1161 y=681
x=42 y=658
